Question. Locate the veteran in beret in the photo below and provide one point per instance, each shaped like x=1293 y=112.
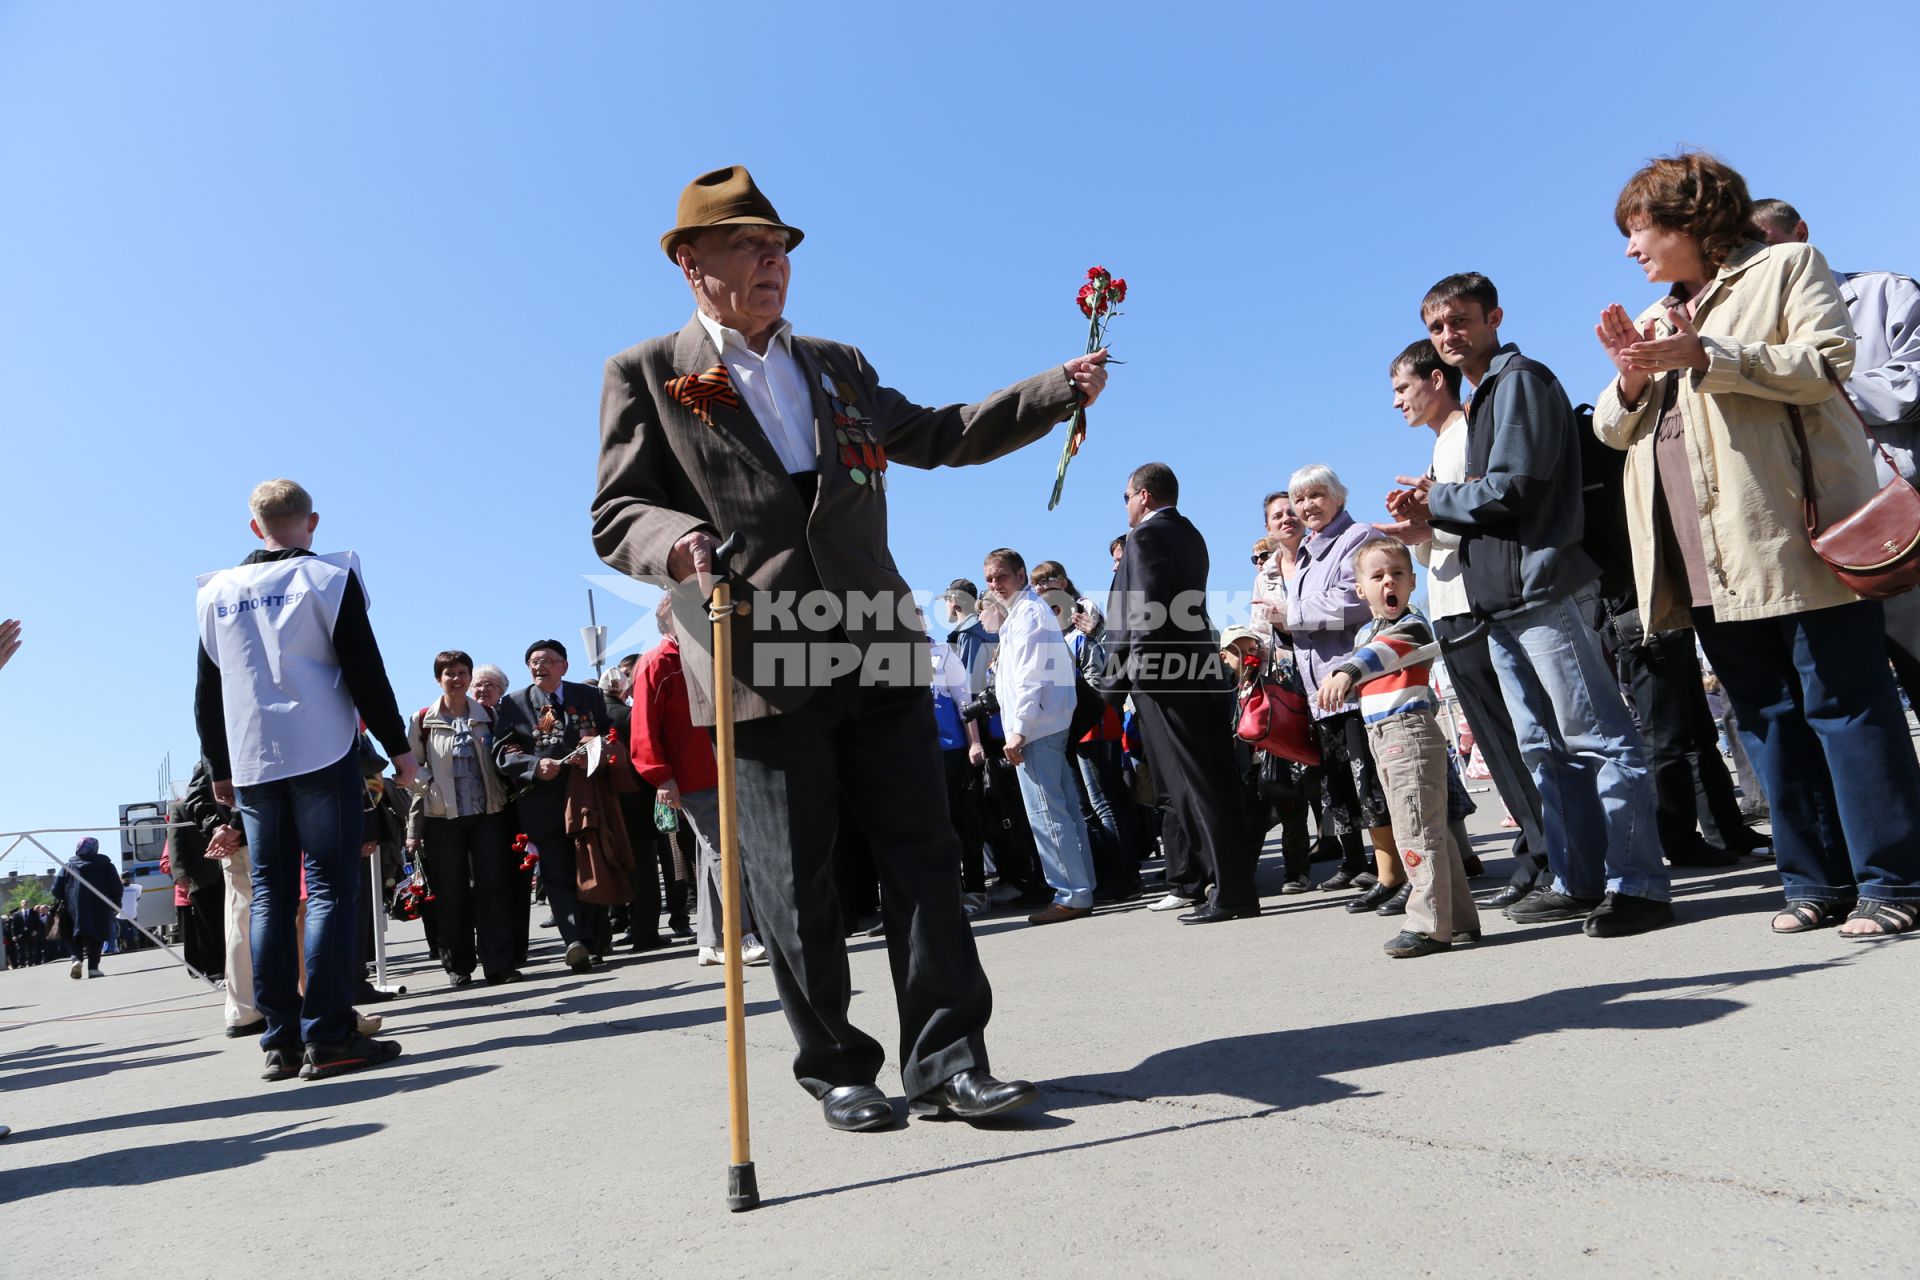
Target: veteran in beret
x=738 y=426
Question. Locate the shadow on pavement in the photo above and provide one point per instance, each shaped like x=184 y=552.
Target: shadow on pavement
x=47 y=1055
x=1282 y=1071
x=141 y=1166
x=582 y=1002
x=586 y=1030
x=1285 y=1070
x=36 y=1075
x=278 y=1099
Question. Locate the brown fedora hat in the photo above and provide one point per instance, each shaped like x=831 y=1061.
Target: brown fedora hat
x=723 y=198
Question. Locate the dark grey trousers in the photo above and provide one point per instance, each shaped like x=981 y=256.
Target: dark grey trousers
x=880 y=747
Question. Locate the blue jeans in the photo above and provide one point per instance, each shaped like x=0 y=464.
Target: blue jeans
x=1053 y=811
x=1821 y=721
x=1118 y=870
x=318 y=814
x=1579 y=743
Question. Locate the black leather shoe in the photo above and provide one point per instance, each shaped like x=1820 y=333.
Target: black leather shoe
x=973 y=1095
x=857 y=1108
x=1373 y=898
x=643 y=941
x=246 y=1029
x=579 y=959
x=1622 y=915
x=501 y=979
x=1397 y=904
x=1209 y=913
x=1337 y=881
x=1473 y=865
x=1508 y=896
x=1698 y=853
x=1295 y=886
x=1547 y=906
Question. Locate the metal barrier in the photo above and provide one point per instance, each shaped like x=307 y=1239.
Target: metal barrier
x=32 y=838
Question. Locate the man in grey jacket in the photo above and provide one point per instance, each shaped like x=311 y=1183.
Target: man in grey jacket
x=1885 y=386
x=1519 y=519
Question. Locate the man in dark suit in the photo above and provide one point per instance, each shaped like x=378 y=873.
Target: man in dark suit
x=36 y=930
x=535 y=730
x=736 y=426
x=1161 y=648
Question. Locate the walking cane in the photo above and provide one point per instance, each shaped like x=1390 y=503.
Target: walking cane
x=743 y=1190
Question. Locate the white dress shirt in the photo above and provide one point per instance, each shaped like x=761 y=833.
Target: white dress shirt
x=774 y=389
x=1033 y=671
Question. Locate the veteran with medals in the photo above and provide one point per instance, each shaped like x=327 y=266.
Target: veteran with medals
x=737 y=426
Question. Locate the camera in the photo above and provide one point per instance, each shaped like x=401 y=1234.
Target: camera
x=982 y=708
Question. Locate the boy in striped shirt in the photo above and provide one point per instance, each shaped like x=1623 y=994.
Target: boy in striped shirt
x=1397 y=705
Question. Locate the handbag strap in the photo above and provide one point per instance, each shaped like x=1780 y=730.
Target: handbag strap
x=1809 y=509
x=1840 y=389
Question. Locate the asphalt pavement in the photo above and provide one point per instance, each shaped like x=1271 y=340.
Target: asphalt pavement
x=1262 y=1097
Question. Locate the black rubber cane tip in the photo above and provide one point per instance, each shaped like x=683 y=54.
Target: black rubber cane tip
x=743 y=1189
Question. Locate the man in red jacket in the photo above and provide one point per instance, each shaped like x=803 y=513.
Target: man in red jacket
x=677 y=759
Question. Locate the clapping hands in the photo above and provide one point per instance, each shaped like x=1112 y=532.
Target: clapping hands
x=1408 y=507
x=1637 y=354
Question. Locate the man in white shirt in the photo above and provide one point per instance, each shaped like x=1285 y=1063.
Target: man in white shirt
x=1033 y=679
x=1426 y=391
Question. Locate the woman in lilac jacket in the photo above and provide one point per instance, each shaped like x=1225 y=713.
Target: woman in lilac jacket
x=1325 y=614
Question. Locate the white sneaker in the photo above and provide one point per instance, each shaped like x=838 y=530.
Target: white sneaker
x=95 y=973
x=1003 y=893
x=75 y=971
x=368 y=1024
x=707 y=958
x=974 y=904
x=1172 y=902
x=752 y=951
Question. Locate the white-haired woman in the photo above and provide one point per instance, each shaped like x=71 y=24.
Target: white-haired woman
x=1324 y=616
x=489 y=685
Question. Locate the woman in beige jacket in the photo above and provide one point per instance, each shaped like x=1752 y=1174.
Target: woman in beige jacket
x=458 y=822
x=1700 y=405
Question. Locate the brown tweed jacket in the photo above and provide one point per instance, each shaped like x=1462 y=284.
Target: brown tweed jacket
x=666 y=470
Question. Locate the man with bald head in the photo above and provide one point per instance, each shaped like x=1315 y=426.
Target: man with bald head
x=737 y=426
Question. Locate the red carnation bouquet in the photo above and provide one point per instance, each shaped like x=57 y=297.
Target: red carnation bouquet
x=1099 y=299
x=530 y=856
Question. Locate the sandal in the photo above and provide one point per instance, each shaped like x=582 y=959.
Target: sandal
x=1890 y=917
x=1811 y=914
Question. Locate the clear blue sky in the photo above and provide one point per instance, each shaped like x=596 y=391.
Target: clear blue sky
x=385 y=249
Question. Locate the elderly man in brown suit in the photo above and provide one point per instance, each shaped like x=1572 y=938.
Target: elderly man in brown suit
x=738 y=426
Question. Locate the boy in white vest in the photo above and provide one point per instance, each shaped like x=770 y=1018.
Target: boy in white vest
x=288 y=669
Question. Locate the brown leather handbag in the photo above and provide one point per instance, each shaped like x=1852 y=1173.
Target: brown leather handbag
x=1876 y=550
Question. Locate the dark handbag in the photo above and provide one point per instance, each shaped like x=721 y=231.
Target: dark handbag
x=1089 y=709
x=1876 y=550
x=1274 y=718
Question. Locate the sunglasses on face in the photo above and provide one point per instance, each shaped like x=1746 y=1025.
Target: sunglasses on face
x=1260 y=557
